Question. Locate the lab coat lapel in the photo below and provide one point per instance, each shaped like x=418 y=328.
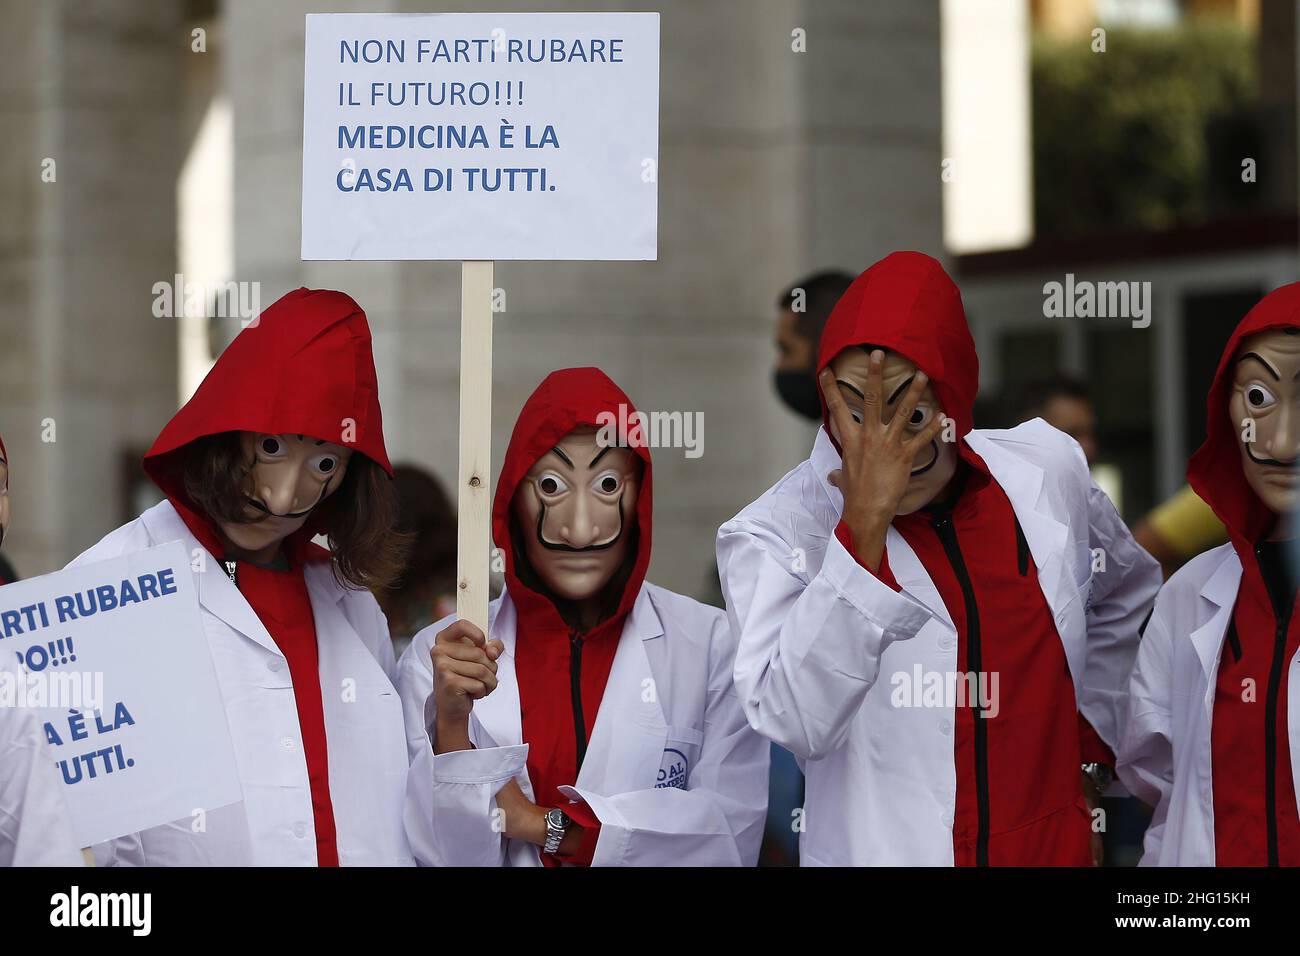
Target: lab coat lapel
x=345 y=663
x=1220 y=590
x=1024 y=484
x=627 y=742
x=913 y=579
x=217 y=594
x=497 y=714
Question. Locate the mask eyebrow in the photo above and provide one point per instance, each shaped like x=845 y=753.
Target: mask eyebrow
x=898 y=391
x=1262 y=361
x=562 y=455
x=840 y=381
x=600 y=454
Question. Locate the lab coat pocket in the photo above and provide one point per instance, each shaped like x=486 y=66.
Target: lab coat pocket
x=681 y=750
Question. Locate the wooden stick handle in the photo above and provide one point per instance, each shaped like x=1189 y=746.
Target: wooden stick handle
x=474 y=522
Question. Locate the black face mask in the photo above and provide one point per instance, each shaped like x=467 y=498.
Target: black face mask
x=798 y=389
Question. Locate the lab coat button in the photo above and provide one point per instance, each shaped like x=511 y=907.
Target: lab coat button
x=275 y=665
x=945 y=726
x=286 y=743
x=300 y=830
x=945 y=642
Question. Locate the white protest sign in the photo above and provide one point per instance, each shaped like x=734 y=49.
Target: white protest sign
x=480 y=136
x=117 y=665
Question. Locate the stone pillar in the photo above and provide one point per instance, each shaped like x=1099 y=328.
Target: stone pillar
x=93 y=88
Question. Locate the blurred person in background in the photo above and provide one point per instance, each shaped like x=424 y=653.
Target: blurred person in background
x=802 y=311
x=1179 y=529
x=426 y=590
x=1064 y=404
x=1176 y=530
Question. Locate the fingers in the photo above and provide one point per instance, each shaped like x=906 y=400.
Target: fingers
x=839 y=412
x=910 y=400
x=461 y=632
x=467 y=687
x=834 y=479
x=494 y=649
x=473 y=670
x=874 y=389
x=462 y=652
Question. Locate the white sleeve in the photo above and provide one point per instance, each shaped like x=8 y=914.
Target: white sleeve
x=808 y=650
x=1125 y=580
x=1146 y=755
x=35 y=829
x=718 y=820
x=450 y=811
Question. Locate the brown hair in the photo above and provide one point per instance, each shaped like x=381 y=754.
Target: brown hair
x=359 y=519
x=427 y=518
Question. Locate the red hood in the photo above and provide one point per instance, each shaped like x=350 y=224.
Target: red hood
x=304 y=368
x=1215 y=471
x=906 y=303
x=565 y=400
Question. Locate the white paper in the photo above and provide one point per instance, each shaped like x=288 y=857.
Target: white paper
x=584 y=119
x=158 y=747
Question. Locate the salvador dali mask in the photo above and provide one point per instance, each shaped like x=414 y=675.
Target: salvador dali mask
x=290 y=476
x=576 y=509
x=934 y=464
x=1265 y=409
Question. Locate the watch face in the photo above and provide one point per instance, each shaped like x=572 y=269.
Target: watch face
x=557 y=818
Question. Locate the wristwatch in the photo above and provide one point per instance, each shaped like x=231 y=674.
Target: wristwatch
x=1100 y=775
x=557 y=825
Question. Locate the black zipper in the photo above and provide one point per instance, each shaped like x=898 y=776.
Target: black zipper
x=575 y=695
x=1022 y=548
x=1234 y=642
x=974 y=664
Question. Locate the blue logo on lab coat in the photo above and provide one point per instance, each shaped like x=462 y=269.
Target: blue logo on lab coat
x=674 y=770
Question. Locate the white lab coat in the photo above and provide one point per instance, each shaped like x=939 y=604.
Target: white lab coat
x=821 y=639
x=1165 y=756
x=669 y=703
x=273 y=825
x=35 y=829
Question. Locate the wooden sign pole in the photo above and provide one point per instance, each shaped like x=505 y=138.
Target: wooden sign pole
x=473 y=519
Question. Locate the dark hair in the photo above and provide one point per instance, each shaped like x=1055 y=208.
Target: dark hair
x=1033 y=399
x=821 y=290
x=426 y=517
x=359 y=518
